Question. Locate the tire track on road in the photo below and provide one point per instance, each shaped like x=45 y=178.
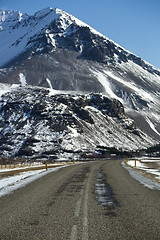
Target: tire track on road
x=82 y=207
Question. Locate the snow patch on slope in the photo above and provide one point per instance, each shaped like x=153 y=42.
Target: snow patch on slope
x=152 y=125
x=104 y=81
x=22 y=79
x=131 y=86
x=49 y=83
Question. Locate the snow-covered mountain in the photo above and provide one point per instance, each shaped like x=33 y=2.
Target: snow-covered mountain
x=52 y=49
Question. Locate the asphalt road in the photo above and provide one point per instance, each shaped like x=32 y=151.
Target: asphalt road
x=96 y=201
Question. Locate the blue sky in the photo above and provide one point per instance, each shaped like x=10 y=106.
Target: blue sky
x=134 y=24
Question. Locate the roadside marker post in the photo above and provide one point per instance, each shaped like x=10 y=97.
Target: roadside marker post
x=135 y=163
x=73 y=161
x=46 y=166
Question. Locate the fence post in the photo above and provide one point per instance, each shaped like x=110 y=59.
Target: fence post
x=46 y=166
x=135 y=163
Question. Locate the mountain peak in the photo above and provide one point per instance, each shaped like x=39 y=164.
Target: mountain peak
x=55 y=50
x=57 y=28
x=10 y=16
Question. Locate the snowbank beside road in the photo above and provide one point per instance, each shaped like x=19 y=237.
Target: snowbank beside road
x=140 y=178
x=12 y=183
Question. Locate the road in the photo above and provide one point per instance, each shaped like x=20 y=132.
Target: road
x=90 y=201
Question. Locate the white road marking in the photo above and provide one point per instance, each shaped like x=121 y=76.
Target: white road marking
x=85 y=217
x=74 y=230
x=77 y=209
x=74 y=233
x=85 y=213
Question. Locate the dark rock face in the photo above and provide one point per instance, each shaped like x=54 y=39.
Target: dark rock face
x=34 y=123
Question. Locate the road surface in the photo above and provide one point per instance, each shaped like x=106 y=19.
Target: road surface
x=90 y=201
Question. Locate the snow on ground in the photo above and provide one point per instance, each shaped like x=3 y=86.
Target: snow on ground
x=144 y=167
x=12 y=183
x=139 y=165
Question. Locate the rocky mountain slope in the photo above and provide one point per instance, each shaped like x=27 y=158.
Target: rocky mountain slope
x=38 y=122
x=54 y=50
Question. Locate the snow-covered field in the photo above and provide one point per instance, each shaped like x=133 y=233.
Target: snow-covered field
x=12 y=183
x=146 y=171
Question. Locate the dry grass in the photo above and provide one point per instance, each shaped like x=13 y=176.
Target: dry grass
x=152 y=166
x=149 y=165
x=21 y=169
x=148 y=175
